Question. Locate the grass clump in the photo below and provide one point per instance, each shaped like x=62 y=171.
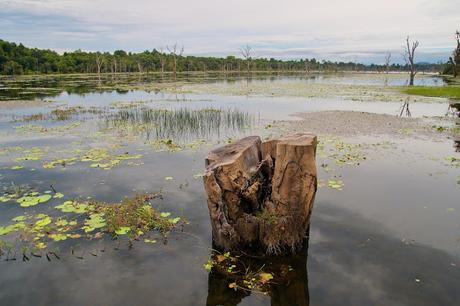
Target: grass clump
x=434 y=91
x=135 y=216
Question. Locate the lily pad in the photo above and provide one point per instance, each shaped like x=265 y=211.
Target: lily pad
x=123 y=230
x=32 y=200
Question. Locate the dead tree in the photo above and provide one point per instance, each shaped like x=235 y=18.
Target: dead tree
x=455 y=58
x=99 y=62
x=161 y=54
x=307 y=66
x=387 y=62
x=246 y=52
x=409 y=56
x=139 y=65
x=260 y=195
x=175 y=52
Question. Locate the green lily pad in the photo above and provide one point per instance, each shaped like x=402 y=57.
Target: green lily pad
x=32 y=200
x=95 y=221
x=58 y=195
x=58 y=237
x=19 y=218
x=174 y=220
x=4 y=230
x=73 y=207
x=123 y=230
x=43 y=222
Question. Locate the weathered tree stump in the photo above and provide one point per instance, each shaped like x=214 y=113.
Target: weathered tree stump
x=260 y=195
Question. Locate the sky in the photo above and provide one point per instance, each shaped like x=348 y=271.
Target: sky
x=338 y=30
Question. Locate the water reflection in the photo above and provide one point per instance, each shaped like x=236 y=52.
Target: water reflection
x=289 y=287
x=454 y=109
x=31 y=87
x=404 y=109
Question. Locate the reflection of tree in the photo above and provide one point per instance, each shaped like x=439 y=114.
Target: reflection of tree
x=404 y=110
x=454 y=111
x=288 y=287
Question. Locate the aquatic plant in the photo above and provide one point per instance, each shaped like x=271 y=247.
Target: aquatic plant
x=169 y=126
x=134 y=217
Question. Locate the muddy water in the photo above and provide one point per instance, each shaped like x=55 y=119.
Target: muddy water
x=391 y=236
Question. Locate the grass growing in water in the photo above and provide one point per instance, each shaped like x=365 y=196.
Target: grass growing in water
x=179 y=124
x=434 y=91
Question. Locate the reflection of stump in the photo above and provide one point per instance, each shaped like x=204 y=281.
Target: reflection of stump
x=288 y=287
x=261 y=194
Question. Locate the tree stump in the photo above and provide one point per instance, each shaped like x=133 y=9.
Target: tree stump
x=260 y=195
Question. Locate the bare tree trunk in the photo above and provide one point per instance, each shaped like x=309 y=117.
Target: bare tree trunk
x=175 y=53
x=387 y=62
x=261 y=194
x=246 y=52
x=99 y=62
x=409 y=57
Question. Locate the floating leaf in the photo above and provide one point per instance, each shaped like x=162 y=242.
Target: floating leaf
x=32 y=200
x=95 y=221
x=265 y=277
x=4 y=230
x=174 y=220
x=58 y=237
x=58 y=195
x=165 y=214
x=123 y=230
x=208 y=265
x=73 y=207
x=169 y=178
x=61 y=222
x=19 y=218
x=40 y=245
x=335 y=184
x=43 y=222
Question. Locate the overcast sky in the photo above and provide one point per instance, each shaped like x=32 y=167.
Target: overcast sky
x=356 y=30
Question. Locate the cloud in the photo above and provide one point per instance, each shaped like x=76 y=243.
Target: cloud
x=332 y=29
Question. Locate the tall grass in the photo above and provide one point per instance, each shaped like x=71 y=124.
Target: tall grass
x=180 y=124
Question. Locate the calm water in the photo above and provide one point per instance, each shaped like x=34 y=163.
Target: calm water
x=390 y=237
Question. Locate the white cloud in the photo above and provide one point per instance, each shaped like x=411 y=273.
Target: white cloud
x=335 y=27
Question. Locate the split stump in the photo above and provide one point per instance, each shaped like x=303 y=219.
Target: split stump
x=261 y=194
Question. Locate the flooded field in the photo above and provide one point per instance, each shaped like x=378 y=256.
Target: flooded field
x=386 y=221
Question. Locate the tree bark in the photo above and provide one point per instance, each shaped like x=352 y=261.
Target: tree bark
x=260 y=195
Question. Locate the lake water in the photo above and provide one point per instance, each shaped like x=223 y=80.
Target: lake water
x=390 y=237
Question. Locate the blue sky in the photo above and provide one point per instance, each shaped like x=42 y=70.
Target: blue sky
x=352 y=30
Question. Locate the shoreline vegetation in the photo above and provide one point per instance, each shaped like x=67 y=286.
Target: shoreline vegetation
x=16 y=59
x=452 y=92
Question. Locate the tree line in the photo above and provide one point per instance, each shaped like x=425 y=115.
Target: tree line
x=16 y=59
